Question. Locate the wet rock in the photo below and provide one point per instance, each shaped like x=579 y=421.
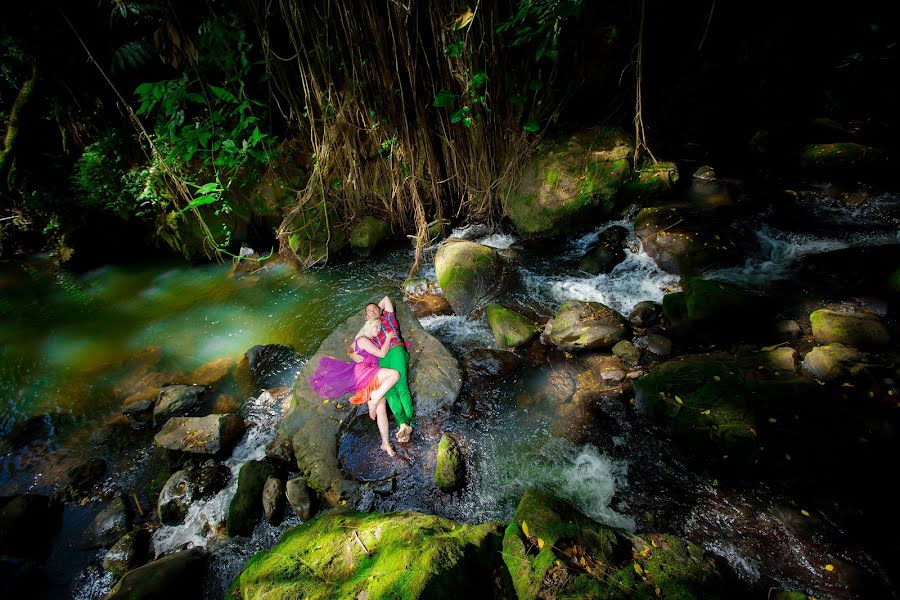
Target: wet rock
x=373 y=555
x=833 y=361
x=83 y=478
x=470 y=274
x=705 y=173
x=178 y=401
x=273 y=500
x=645 y=314
x=280 y=452
x=430 y=304
x=788 y=329
x=224 y=404
x=130 y=552
x=551 y=550
x=688 y=239
x=627 y=352
x=601 y=259
x=110 y=524
x=585 y=326
x=188 y=485
x=266 y=367
x=140 y=413
x=367 y=233
x=28 y=523
x=837 y=157
x=613 y=374
x=28 y=431
x=489 y=366
x=783 y=361
x=510 y=329
x=655 y=343
x=299 y=498
x=449 y=470
x=571 y=182
x=313 y=426
x=863 y=330
x=179 y=575
x=246 y=507
x=212 y=434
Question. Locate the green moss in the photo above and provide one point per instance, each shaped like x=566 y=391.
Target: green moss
x=407 y=555
x=366 y=234
x=854 y=329
x=510 y=329
x=552 y=177
x=841 y=154
x=448 y=473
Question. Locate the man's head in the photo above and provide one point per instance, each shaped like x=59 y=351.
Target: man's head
x=373 y=311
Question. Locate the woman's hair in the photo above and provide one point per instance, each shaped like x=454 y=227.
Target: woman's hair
x=370 y=329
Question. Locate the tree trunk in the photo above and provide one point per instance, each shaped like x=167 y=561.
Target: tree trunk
x=8 y=154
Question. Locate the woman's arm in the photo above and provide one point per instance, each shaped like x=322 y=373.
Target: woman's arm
x=369 y=346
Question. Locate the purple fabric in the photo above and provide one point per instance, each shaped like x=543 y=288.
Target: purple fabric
x=336 y=378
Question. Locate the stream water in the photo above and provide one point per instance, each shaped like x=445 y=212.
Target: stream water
x=69 y=341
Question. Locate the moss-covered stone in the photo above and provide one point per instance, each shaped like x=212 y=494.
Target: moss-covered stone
x=395 y=555
x=627 y=352
x=854 y=329
x=585 y=326
x=652 y=179
x=553 y=551
x=833 y=361
x=712 y=309
x=719 y=401
x=841 y=155
x=246 y=508
x=569 y=179
x=470 y=274
x=509 y=327
x=450 y=468
x=367 y=234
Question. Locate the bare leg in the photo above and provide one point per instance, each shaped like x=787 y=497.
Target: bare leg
x=386 y=378
x=382 y=420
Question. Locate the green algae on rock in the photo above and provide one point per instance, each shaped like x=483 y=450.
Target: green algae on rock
x=509 y=327
x=246 y=507
x=862 y=330
x=179 y=575
x=450 y=468
x=395 y=555
x=585 y=326
x=554 y=551
x=568 y=179
x=470 y=274
x=367 y=234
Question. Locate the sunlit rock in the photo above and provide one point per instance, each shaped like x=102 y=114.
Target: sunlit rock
x=470 y=274
x=585 y=326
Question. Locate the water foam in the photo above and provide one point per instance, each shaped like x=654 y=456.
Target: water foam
x=459 y=333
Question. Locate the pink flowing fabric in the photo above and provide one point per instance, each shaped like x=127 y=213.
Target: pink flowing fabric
x=336 y=378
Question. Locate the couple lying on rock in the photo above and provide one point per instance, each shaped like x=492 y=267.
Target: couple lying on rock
x=378 y=373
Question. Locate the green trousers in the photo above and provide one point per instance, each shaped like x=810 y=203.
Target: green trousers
x=398 y=397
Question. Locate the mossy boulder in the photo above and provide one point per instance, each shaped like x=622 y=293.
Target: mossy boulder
x=314 y=426
x=627 y=352
x=585 y=326
x=450 y=468
x=179 y=575
x=128 y=553
x=838 y=156
x=833 y=361
x=395 y=555
x=470 y=274
x=863 y=330
x=718 y=405
x=314 y=237
x=246 y=507
x=712 y=309
x=553 y=551
x=509 y=327
x=690 y=238
x=367 y=233
x=652 y=179
x=571 y=182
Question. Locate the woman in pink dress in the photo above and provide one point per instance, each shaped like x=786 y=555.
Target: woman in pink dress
x=368 y=382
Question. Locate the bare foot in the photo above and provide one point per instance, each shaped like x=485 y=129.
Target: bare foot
x=404 y=434
x=387 y=448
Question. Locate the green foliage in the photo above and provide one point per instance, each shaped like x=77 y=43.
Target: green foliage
x=207 y=127
x=104 y=179
x=539 y=23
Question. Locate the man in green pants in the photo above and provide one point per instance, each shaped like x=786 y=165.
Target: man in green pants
x=398 y=397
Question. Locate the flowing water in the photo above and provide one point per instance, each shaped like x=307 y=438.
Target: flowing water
x=69 y=343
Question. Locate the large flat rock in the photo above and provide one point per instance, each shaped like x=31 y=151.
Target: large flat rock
x=314 y=425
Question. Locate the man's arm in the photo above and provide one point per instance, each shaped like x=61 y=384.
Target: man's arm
x=386 y=305
x=351 y=352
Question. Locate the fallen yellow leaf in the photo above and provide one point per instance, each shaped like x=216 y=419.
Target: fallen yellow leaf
x=638 y=569
x=804 y=513
x=525 y=529
x=540 y=543
x=705 y=412
x=679 y=400
x=829 y=568
x=717 y=378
